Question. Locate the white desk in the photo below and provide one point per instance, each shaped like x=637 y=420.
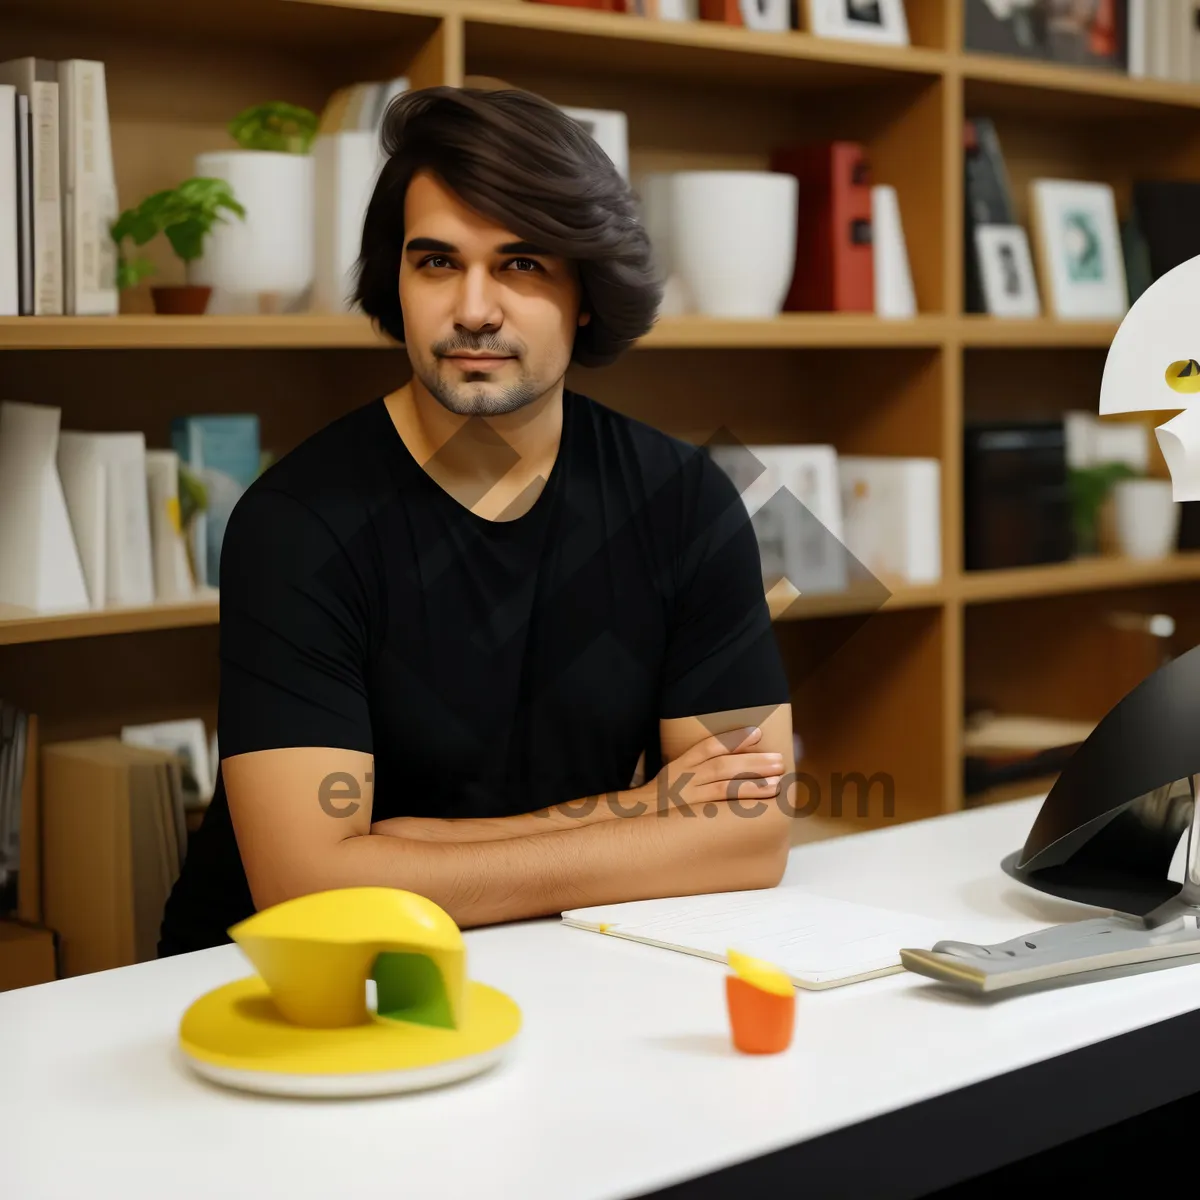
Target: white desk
x=623 y=1080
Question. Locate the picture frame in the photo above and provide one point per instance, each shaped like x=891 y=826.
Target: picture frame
x=1079 y=251
x=1006 y=271
x=883 y=22
x=1089 y=33
x=609 y=128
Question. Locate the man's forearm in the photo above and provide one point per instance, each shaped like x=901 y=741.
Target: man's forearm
x=574 y=814
x=667 y=852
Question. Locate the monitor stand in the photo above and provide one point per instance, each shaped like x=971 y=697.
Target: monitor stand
x=1167 y=934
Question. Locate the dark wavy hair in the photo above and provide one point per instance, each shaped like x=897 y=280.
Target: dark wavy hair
x=521 y=161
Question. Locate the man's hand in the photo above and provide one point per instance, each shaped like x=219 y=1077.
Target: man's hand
x=724 y=766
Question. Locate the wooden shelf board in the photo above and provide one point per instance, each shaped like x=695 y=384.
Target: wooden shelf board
x=1000 y=81
x=1083 y=575
x=586 y=39
x=300 y=330
x=796 y=329
x=317 y=330
x=19 y=625
x=983 y=331
x=265 y=24
x=855 y=600
x=350 y=331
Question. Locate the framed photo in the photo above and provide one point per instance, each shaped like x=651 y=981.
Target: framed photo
x=1079 y=248
x=610 y=129
x=881 y=21
x=1006 y=271
x=1089 y=33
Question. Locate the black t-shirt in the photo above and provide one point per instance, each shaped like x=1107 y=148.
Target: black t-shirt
x=490 y=667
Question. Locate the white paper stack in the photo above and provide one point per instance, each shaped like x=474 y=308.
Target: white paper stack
x=116 y=549
x=816 y=941
x=892 y=513
x=796 y=510
x=39 y=563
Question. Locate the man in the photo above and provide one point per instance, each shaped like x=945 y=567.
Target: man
x=484 y=638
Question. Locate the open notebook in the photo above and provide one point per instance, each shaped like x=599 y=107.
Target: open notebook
x=819 y=942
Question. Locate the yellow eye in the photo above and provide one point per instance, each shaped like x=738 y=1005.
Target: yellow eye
x=1184 y=376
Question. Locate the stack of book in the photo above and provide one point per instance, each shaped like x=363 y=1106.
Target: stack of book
x=58 y=195
x=96 y=519
x=114 y=840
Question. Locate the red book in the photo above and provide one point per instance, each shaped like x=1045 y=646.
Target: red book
x=835 y=265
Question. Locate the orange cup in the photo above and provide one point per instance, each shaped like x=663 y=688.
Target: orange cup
x=762 y=1022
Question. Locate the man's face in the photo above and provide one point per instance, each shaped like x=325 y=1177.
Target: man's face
x=489 y=319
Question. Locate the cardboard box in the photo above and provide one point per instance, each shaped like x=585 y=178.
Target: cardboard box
x=27 y=955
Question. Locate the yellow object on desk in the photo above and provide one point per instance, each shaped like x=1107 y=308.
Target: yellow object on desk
x=302 y=1026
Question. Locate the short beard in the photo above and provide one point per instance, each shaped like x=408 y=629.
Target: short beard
x=465 y=401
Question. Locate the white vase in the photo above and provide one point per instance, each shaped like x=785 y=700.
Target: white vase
x=1146 y=517
x=265 y=262
x=654 y=191
x=732 y=239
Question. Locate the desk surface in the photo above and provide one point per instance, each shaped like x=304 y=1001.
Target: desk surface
x=623 y=1081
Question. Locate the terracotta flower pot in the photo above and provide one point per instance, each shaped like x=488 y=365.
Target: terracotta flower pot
x=187 y=299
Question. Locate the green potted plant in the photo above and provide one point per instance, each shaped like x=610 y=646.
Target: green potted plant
x=186 y=215
x=277 y=125
x=1090 y=488
x=264 y=264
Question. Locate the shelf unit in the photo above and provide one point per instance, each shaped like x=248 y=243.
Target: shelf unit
x=878 y=689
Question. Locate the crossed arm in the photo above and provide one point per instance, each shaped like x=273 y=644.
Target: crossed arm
x=507 y=868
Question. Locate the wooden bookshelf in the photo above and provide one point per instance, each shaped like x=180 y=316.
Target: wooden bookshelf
x=891 y=697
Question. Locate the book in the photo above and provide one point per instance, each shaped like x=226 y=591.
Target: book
x=987 y=200
x=106 y=473
x=835 y=265
x=40 y=567
x=89 y=190
x=223 y=450
x=172 y=571
x=9 y=185
x=112 y=817
x=37 y=79
x=24 y=184
x=894 y=294
x=817 y=941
